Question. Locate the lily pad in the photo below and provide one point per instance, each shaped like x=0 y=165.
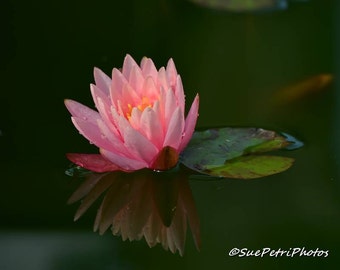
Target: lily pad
x=248 y=167
x=236 y=152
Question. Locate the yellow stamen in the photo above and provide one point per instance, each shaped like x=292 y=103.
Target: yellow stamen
x=145 y=103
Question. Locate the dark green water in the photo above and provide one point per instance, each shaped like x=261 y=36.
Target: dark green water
x=236 y=62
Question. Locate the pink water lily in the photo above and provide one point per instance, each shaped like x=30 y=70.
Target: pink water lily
x=140 y=120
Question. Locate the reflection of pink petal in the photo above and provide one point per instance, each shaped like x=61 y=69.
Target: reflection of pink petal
x=115 y=201
x=93 y=162
x=139 y=209
x=152 y=229
x=97 y=190
x=85 y=188
x=188 y=205
x=179 y=228
x=156 y=206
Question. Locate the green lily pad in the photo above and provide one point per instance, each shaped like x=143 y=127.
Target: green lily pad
x=249 y=167
x=236 y=152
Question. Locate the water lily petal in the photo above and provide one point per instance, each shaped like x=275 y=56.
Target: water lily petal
x=125 y=163
x=129 y=96
x=93 y=162
x=190 y=123
x=118 y=81
x=102 y=103
x=122 y=109
x=149 y=88
x=97 y=92
x=162 y=79
x=116 y=119
x=149 y=69
x=115 y=141
x=92 y=132
x=81 y=111
x=102 y=80
x=139 y=145
x=161 y=107
x=136 y=79
x=151 y=127
x=179 y=93
x=175 y=130
x=135 y=118
x=170 y=106
x=128 y=65
x=171 y=72
x=105 y=112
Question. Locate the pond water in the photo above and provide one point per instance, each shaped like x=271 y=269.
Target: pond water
x=236 y=62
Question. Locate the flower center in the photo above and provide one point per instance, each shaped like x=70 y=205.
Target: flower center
x=145 y=103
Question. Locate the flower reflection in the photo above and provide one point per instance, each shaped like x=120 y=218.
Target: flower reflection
x=155 y=205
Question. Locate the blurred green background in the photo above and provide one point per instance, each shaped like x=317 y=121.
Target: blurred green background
x=235 y=61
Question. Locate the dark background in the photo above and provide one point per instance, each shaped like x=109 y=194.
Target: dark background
x=235 y=61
